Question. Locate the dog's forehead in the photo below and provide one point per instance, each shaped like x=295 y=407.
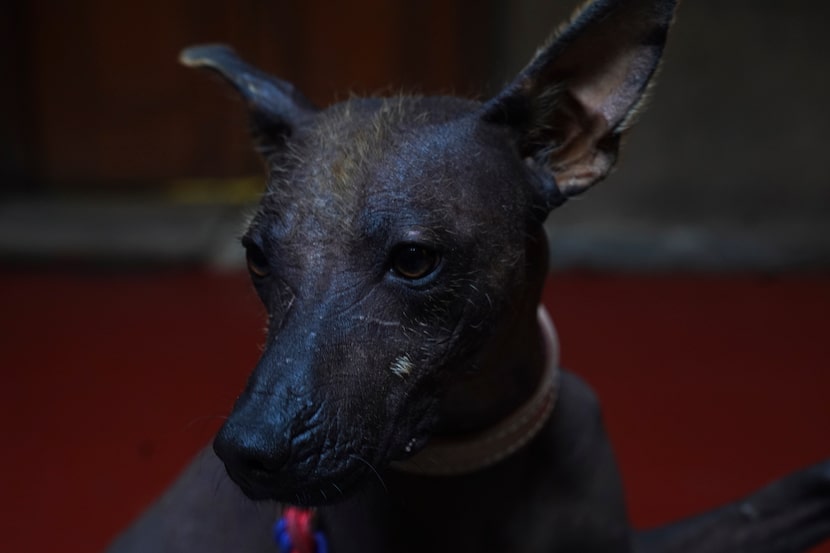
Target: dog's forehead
x=361 y=144
x=387 y=154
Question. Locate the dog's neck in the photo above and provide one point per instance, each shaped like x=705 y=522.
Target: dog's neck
x=510 y=424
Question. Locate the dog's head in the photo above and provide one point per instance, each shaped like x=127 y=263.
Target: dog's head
x=399 y=245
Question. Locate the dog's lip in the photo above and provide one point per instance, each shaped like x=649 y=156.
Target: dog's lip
x=309 y=495
x=302 y=491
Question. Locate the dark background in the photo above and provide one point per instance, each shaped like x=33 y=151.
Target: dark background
x=691 y=288
x=99 y=100
x=725 y=170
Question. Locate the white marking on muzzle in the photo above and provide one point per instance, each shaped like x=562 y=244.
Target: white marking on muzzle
x=401 y=366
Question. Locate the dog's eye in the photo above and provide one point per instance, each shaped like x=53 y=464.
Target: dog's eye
x=414 y=262
x=257 y=262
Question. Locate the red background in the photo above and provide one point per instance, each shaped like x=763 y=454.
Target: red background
x=711 y=386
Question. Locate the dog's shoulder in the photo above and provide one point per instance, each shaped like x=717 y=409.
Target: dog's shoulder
x=576 y=487
x=579 y=401
x=574 y=441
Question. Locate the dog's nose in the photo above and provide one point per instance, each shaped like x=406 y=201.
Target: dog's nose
x=251 y=456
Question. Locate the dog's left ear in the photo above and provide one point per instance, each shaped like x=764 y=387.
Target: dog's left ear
x=575 y=98
x=276 y=108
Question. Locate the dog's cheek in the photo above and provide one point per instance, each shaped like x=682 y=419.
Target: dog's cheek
x=412 y=415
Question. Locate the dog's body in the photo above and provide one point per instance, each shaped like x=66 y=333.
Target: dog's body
x=400 y=252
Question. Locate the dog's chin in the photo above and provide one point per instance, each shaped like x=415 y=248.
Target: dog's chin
x=301 y=491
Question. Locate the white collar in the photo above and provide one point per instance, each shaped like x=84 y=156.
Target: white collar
x=446 y=457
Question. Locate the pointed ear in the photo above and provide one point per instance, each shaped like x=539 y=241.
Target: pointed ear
x=575 y=98
x=276 y=108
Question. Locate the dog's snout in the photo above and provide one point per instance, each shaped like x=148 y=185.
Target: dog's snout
x=252 y=457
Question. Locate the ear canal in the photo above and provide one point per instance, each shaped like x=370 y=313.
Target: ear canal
x=571 y=104
x=276 y=108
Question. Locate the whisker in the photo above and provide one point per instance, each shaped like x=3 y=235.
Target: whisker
x=204 y=418
x=373 y=469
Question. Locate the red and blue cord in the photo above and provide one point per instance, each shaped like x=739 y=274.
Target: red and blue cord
x=294 y=532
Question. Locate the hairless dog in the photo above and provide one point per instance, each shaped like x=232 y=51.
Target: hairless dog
x=409 y=390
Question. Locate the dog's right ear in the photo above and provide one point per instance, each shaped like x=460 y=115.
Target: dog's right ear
x=570 y=106
x=276 y=108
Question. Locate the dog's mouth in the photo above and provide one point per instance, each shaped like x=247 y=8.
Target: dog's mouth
x=292 y=487
x=309 y=462
x=324 y=477
x=315 y=481
x=260 y=487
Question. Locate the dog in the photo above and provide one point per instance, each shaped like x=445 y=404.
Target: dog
x=409 y=388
